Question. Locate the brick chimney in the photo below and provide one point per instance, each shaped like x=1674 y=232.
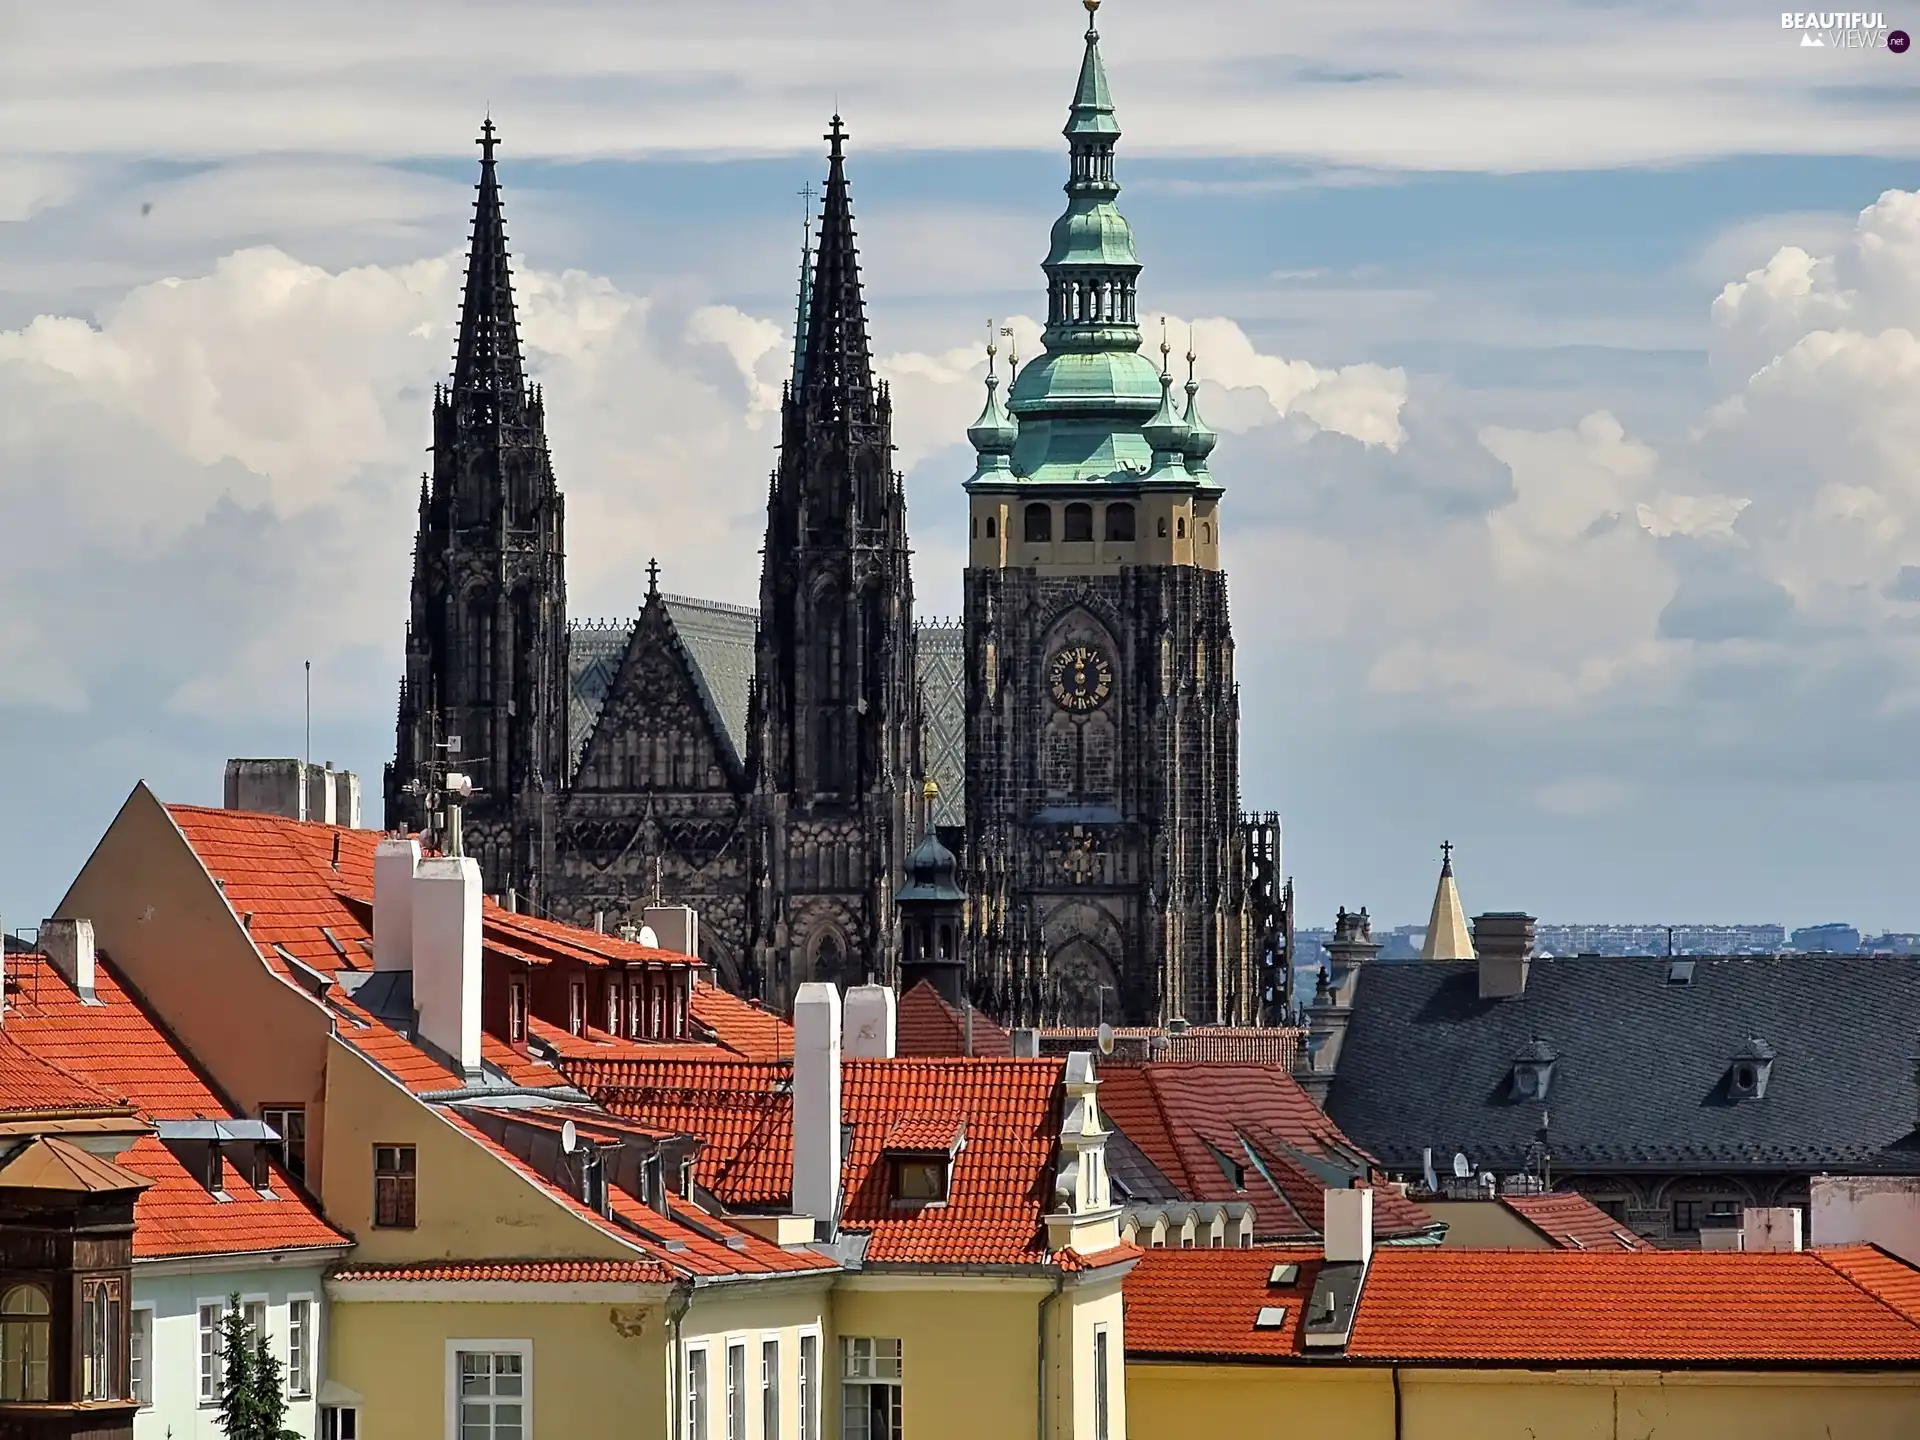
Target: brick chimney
x=69 y=945
x=1504 y=942
x=816 y=1105
x=446 y=957
x=869 y=1026
x=394 y=863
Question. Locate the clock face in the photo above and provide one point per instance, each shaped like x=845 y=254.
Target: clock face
x=1080 y=678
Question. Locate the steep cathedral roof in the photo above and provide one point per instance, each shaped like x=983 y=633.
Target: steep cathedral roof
x=835 y=355
x=1447 y=936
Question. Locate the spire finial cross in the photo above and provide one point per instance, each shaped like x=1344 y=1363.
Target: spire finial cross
x=1446 y=852
x=836 y=133
x=653 y=578
x=486 y=142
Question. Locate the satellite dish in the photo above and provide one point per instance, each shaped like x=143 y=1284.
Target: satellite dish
x=569 y=1137
x=1106 y=1039
x=1426 y=1168
x=1461 y=1169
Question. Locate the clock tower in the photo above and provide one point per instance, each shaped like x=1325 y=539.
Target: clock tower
x=1106 y=858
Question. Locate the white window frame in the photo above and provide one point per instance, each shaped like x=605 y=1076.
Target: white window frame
x=136 y=1314
x=463 y=1346
x=770 y=1387
x=697 y=1420
x=309 y=1333
x=322 y=1412
x=209 y=1392
x=806 y=1389
x=738 y=1416
x=896 y=1383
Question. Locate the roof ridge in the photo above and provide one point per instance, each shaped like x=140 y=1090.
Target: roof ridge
x=1875 y=1295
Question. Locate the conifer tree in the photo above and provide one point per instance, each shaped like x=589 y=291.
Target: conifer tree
x=253 y=1401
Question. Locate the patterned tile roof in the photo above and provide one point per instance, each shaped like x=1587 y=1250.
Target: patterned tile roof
x=1529 y=1307
x=1002 y=1178
x=924 y=1134
x=120 y=1047
x=1573 y=1222
x=927 y=1026
x=33 y=1085
x=526 y=1272
x=1245 y=1132
x=1640 y=1083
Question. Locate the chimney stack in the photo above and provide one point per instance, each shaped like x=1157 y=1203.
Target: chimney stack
x=869 y=1023
x=1770 y=1227
x=1026 y=1043
x=69 y=945
x=446 y=957
x=816 y=1105
x=394 y=864
x=1504 y=942
x=675 y=927
x=1346 y=1226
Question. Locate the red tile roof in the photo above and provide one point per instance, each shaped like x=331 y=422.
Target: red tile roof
x=1530 y=1307
x=1572 y=1222
x=925 y=1134
x=1002 y=1178
x=1188 y=1118
x=527 y=1272
x=927 y=1026
x=1885 y=1276
x=119 y=1046
x=33 y=1086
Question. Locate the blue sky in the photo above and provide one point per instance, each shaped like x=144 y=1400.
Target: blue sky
x=1544 y=540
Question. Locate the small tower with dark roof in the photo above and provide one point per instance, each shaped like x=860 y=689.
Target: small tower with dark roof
x=932 y=913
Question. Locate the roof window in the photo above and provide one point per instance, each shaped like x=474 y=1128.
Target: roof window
x=1533 y=1070
x=920 y=1152
x=1680 y=972
x=1749 y=1071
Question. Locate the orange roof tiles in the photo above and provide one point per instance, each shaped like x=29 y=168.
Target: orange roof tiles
x=927 y=1026
x=1529 y=1307
x=1879 y=1273
x=119 y=1046
x=1573 y=1222
x=1189 y=1118
x=925 y=1134
x=743 y=1026
x=528 y=1272
x=32 y=1085
x=1002 y=1179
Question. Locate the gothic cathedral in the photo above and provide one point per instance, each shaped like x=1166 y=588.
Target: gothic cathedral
x=767 y=766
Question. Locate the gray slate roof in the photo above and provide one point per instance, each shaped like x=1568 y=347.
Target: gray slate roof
x=1641 y=1067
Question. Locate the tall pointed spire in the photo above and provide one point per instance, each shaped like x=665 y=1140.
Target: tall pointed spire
x=836 y=354
x=487 y=362
x=1447 y=934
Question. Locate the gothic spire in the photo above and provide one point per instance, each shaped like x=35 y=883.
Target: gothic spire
x=836 y=354
x=1447 y=934
x=806 y=290
x=488 y=360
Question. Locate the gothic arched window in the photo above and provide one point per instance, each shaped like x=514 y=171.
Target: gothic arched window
x=1079 y=522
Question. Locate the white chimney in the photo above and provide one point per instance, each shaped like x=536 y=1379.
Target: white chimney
x=446 y=956
x=1347 y=1226
x=1770 y=1227
x=394 y=864
x=69 y=945
x=870 y=1023
x=816 y=1104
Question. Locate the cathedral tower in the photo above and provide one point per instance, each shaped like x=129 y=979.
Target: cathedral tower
x=1105 y=850
x=833 y=735
x=486 y=660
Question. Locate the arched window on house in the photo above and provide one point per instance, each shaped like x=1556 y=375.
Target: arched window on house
x=1119 y=522
x=1079 y=522
x=1039 y=524
x=26 y=1343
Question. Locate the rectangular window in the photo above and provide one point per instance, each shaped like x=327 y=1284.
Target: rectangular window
x=679 y=1009
x=613 y=1004
x=1686 y=1217
x=636 y=1007
x=577 y=1007
x=289 y=1122
x=517 y=1011
x=213 y=1352
x=339 y=1422
x=1102 y=1413
x=869 y=1389
x=102 y=1338
x=393 y=1187
x=140 y=1357
x=918 y=1180
x=696 y=1395
x=493 y=1395
x=254 y=1312
x=660 y=1008
x=809 y=1384
x=769 y=1390
x=737 y=1391
x=299 y=1347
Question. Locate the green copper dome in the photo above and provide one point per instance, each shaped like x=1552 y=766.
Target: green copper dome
x=994 y=433
x=1081 y=407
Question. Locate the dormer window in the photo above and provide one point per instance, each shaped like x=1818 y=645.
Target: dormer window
x=1533 y=1071
x=577 y=1007
x=920 y=1153
x=1749 y=1071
